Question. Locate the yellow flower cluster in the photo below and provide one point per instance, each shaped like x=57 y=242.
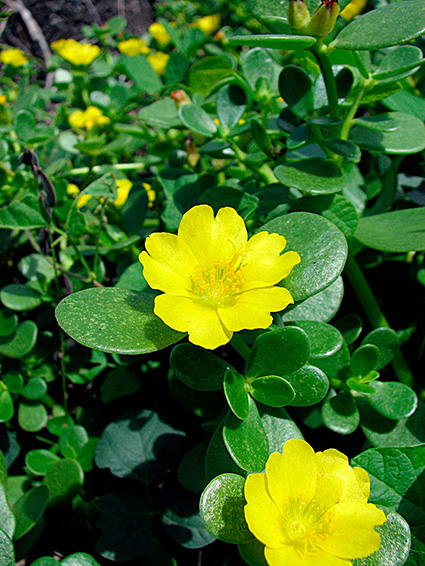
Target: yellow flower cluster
x=214 y=280
x=150 y=193
x=208 y=24
x=3 y=100
x=159 y=32
x=311 y=509
x=158 y=62
x=133 y=46
x=123 y=189
x=88 y=119
x=14 y=57
x=81 y=54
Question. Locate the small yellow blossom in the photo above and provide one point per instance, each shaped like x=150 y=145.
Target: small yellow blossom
x=76 y=53
x=354 y=8
x=3 y=100
x=310 y=509
x=133 y=46
x=83 y=200
x=240 y=122
x=88 y=119
x=72 y=190
x=159 y=32
x=158 y=62
x=214 y=280
x=123 y=189
x=208 y=24
x=14 y=57
x=150 y=193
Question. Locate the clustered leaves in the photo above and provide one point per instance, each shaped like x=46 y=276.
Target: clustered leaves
x=140 y=426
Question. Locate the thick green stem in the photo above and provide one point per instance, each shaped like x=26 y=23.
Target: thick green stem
x=376 y=316
x=346 y=126
x=240 y=346
x=329 y=78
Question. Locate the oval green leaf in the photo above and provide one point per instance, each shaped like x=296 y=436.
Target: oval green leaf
x=197 y=120
x=29 y=509
x=22 y=342
x=64 y=479
x=236 y=393
x=272 y=390
x=310 y=384
x=314 y=176
x=274 y=41
x=340 y=413
x=393 y=400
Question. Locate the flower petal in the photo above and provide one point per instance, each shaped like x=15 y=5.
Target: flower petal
x=195 y=230
x=353 y=532
x=228 y=232
x=336 y=480
x=263 y=265
x=252 y=309
x=188 y=315
x=261 y=514
x=287 y=556
x=292 y=474
x=363 y=480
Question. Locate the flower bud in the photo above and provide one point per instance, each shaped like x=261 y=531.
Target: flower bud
x=298 y=14
x=323 y=20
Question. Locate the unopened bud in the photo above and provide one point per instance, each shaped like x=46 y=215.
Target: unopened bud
x=298 y=14
x=323 y=20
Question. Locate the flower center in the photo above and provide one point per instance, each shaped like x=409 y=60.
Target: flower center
x=218 y=281
x=305 y=525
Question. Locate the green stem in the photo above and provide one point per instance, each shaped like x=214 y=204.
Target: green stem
x=329 y=78
x=265 y=171
x=375 y=316
x=103 y=168
x=240 y=346
x=346 y=126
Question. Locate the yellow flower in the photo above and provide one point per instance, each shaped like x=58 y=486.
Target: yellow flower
x=72 y=190
x=123 y=188
x=14 y=57
x=159 y=32
x=208 y=24
x=83 y=200
x=216 y=281
x=158 y=61
x=133 y=46
x=75 y=52
x=3 y=100
x=91 y=117
x=353 y=9
x=151 y=194
x=310 y=509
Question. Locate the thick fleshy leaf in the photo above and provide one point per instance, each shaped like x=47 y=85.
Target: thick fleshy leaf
x=197 y=120
x=350 y=326
x=396 y=231
x=364 y=360
x=393 y=400
x=20 y=297
x=222 y=509
x=323 y=253
x=208 y=71
x=272 y=390
x=246 y=440
x=217 y=459
x=399 y=63
x=29 y=509
x=321 y=307
x=279 y=427
x=325 y=340
x=115 y=320
x=20 y=343
x=7 y=519
x=39 y=461
x=278 y=352
x=310 y=385
x=236 y=393
x=191 y=473
x=340 y=413
x=336 y=208
x=23 y=214
x=387 y=342
x=77 y=559
x=64 y=479
x=384 y=27
x=231 y=104
x=313 y=176
x=7 y=553
x=279 y=8
x=296 y=89
x=274 y=41
x=141 y=72
x=253 y=553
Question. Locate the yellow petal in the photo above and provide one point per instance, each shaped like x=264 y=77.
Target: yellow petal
x=363 y=480
x=261 y=514
x=252 y=309
x=195 y=230
x=336 y=480
x=286 y=556
x=353 y=532
x=187 y=315
x=292 y=474
x=228 y=232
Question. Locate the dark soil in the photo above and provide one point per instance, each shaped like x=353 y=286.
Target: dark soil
x=63 y=19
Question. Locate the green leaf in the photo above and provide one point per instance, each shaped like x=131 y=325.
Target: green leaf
x=257 y=64
x=141 y=72
x=393 y=400
x=20 y=297
x=7 y=553
x=296 y=89
x=119 y=382
x=350 y=326
x=115 y=320
x=8 y=323
x=3 y=470
x=77 y=559
x=253 y=553
x=197 y=120
x=400 y=62
x=278 y=352
x=32 y=417
x=397 y=482
x=64 y=479
x=160 y=114
x=408 y=137
x=279 y=427
x=191 y=472
x=323 y=253
x=310 y=384
x=22 y=214
x=314 y=176
x=397 y=231
x=7 y=409
x=46 y=561
x=217 y=459
x=222 y=509
x=22 y=342
x=272 y=390
x=139 y=446
x=340 y=413
x=321 y=307
x=208 y=71
x=279 y=8
x=364 y=360
x=34 y=389
x=395 y=543
x=325 y=340
x=7 y=519
x=126 y=524
x=274 y=41
x=236 y=393
x=72 y=440
x=29 y=509
x=197 y=368
x=390 y=25
x=39 y=461
x=386 y=340
x=246 y=440
x=231 y=105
